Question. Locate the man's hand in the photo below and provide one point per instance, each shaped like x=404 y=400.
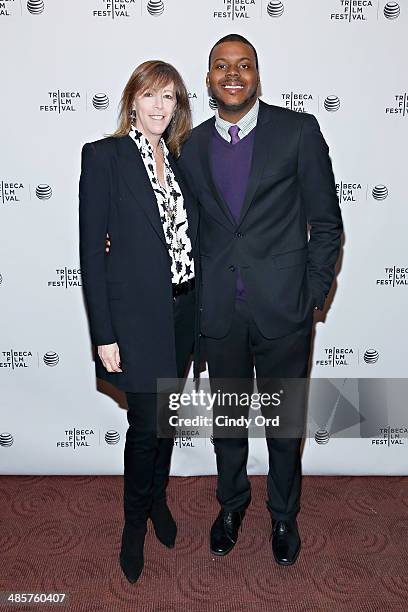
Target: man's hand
x=109 y=355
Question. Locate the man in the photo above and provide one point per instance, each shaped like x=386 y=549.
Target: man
x=263 y=177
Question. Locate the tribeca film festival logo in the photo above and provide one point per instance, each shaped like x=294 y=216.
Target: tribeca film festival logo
x=15 y=192
x=399 y=105
x=390 y=436
x=344 y=356
x=77 y=437
x=307 y=102
x=66 y=278
x=115 y=10
x=393 y=277
x=353 y=10
x=15 y=360
x=12 y=192
x=348 y=193
x=61 y=101
x=299 y=102
x=360 y=10
x=354 y=192
x=240 y=9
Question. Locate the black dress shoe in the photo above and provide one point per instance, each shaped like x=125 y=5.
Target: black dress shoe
x=131 y=557
x=164 y=524
x=224 y=532
x=285 y=541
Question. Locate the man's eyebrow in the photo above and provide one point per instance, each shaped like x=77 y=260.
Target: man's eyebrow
x=218 y=59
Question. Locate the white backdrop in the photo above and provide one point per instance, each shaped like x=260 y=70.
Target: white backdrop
x=63 y=66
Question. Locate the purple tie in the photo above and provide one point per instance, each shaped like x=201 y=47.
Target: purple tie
x=233 y=132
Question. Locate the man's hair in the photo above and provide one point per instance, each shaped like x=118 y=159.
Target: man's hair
x=233 y=38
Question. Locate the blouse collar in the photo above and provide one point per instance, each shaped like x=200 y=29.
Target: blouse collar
x=144 y=145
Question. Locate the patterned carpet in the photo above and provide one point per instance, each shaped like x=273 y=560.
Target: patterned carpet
x=61 y=534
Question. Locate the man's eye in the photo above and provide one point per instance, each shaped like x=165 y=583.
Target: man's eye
x=220 y=66
x=244 y=66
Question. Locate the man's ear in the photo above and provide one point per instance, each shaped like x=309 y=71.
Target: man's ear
x=207 y=80
x=259 y=88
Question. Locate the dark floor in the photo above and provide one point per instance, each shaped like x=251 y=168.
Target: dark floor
x=61 y=535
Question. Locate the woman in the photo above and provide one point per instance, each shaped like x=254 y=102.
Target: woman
x=140 y=296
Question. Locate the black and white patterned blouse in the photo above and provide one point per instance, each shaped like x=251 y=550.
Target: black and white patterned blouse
x=172 y=211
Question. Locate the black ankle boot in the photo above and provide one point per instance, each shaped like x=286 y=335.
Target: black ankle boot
x=164 y=524
x=131 y=555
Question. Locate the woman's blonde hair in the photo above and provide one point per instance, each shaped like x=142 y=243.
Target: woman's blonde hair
x=156 y=74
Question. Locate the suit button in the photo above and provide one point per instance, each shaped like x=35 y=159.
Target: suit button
x=232 y=268
x=238 y=235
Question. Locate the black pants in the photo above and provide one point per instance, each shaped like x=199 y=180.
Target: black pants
x=147 y=457
x=234 y=357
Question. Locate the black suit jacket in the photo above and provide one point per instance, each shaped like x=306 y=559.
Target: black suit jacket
x=291 y=185
x=128 y=292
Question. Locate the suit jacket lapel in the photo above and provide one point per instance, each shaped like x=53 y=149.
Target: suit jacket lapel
x=204 y=145
x=135 y=176
x=262 y=144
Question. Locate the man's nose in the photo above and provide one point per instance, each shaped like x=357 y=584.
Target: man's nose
x=232 y=71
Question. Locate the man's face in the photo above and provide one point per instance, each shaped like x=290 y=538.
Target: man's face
x=233 y=77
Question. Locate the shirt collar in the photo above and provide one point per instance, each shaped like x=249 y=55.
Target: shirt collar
x=246 y=124
x=144 y=145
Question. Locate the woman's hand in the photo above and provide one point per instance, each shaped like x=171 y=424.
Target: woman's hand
x=110 y=357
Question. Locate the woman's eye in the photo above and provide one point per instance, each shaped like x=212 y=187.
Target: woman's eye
x=147 y=94
x=168 y=96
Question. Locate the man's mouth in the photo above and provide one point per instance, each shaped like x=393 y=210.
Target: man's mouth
x=233 y=86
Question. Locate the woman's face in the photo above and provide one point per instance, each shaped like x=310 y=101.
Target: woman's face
x=154 y=109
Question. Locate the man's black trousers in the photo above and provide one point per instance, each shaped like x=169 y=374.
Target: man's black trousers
x=232 y=360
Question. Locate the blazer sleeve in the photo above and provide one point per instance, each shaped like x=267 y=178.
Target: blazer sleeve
x=94 y=203
x=319 y=195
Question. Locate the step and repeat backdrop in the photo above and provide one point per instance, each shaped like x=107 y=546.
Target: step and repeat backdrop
x=63 y=66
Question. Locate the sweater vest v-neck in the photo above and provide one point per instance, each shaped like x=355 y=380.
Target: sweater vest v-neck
x=230 y=168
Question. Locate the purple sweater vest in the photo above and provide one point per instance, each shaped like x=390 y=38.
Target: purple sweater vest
x=230 y=167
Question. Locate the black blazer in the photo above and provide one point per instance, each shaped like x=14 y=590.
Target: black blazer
x=291 y=185
x=128 y=292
